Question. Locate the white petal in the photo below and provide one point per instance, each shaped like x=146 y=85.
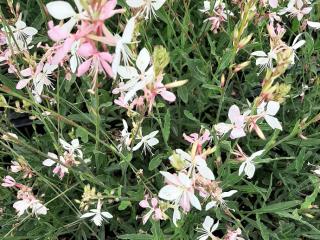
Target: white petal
x=169 y=193
x=298 y=44
x=170 y=177
x=64 y=144
x=273 y=122
x=315 y=25
x=30 y=31
x=75 y=143
x=228 y=194
x=184 y=179
x=97 y=219
x=158 y=4
x=136 y=147
x=21 y=206
x=207 y=224
x=48 y=162
x=215 y=227
x=153 y=141
x=176 y=215
x=211 y=205
x=143 y=60
x=73 y=63
x=256 y=154
x=60 y=10
x=206 y=172
x=127 y=72
x=222 y=128
x=135 y=3
x=250 y=169
x=128 y=30
x=262 y=61
x=194 y=201
x=106 y=214
x=241 y=168
x=259 y=54
x=272 y=108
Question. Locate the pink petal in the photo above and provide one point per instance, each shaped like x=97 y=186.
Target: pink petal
x=84 y=67
x=56 y=33
x=169 y=96
x=234 y=113
x=273 y=3
x=22 y=83
x=62 y=51
x=106 y=56
x=107 y=68
x=185 y=202
x=237 y=133
x=86 y=50
x=144 y=204
x=154 y=202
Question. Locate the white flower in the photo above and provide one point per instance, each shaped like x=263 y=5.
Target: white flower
x=39 y=78
x=36 y=206
x=62 y=10
x=137 y=81
x=208 y=227
x=21 y=33
x=264 y=60
x=125 y=137
x=296 y=8
x=122 y=50
x=199 y=163
x=73 y=148
x=223 y=195
x=149 y=7
x=248 y=166
x=268 y=111
x=147 y=141
x=179 y=190
x=97 y=215
x=295 y=45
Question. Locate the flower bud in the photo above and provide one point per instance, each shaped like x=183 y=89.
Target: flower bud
x=176 y=84
x=177 y=162
x=240 y=66
x=161 y=59
x=245 y=41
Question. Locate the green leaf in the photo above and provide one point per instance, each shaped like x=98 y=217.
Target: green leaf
x=277 y=207
x=81 y=133
x=124 y=204
x=156 y=161
x=136 y=237
x=156 y=230
x=263 y=229
x=190 y=116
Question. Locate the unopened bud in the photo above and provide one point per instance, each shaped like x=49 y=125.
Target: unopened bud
x=245 y=41
x=241 y=66
x=222 y=81
x=176 y=84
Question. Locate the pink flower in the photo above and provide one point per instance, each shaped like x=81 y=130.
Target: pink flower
x=158 y=89
x=9 y=182
x=154 y=211
x=97 y=61
x=194 y=137
x=237 y=124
